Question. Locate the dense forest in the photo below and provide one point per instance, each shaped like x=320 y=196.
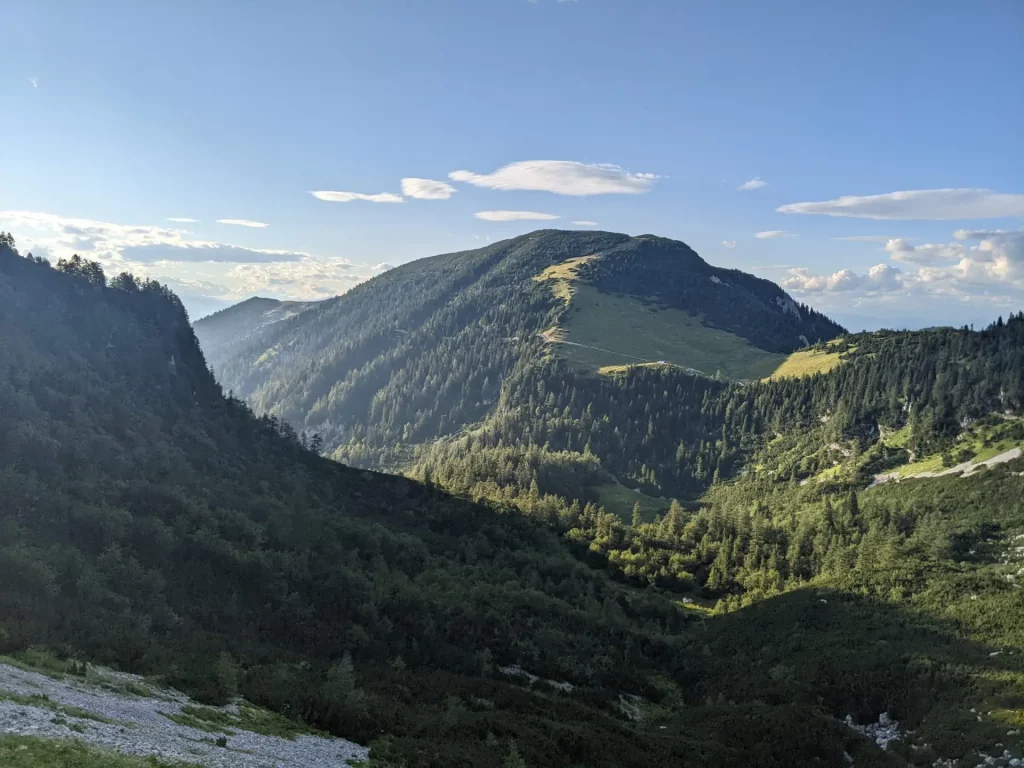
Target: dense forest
x=152 y=523
x=669 y=432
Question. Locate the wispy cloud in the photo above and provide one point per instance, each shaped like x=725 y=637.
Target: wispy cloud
x=584 y=222
x=514 y=216
x=243 y=223
x=34 y=82
x=754 y=183
x=868 y=238
x=348 y=197
x=113 y=245
x=922 y=204
x=562 y=177
x=427 y=189
x=729 y=243
x=771 y=234
x=183 y=220
x=207 y=274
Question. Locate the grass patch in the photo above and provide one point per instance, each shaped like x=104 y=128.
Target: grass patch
x=982 y=442
x=562 y=276
x=806 y=362
x=44 y=662
x=619 y=500
x=249 y=718
x=45 y=702
x=899 y=438
x=31 y=752
x=603 y=331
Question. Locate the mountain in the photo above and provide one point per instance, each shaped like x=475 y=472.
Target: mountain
x=155 y=525
x=788 y=618
x=425 y=349
x=225 y=329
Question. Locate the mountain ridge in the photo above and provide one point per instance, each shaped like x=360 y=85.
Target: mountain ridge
x=338 y=370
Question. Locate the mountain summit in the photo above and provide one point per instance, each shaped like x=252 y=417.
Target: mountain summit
x=422 y=350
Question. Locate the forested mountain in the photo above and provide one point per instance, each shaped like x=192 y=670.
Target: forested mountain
x=229 y=327
x=151 y=523
x=424 y=350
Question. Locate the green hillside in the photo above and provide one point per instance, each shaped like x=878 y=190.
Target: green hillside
x=153 y=524
x=228 y=328
x=424 y=351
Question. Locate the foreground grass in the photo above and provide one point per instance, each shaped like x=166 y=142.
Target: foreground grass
x=30 y=752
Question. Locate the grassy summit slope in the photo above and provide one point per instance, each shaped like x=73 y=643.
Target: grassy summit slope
x=600 y=330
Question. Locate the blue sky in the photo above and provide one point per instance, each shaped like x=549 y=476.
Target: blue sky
x=120 y=116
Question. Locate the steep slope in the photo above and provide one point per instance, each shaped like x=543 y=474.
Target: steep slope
x=150 y=523
x=424 y=350
x=226 y=329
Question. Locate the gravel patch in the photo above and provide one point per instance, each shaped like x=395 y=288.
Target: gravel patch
x=140 y=727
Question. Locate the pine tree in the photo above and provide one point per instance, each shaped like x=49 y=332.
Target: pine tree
x=513 y=759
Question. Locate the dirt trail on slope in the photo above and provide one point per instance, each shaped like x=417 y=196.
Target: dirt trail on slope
x=965 y=469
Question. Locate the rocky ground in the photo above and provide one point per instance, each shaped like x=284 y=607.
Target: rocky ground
x=124 y=713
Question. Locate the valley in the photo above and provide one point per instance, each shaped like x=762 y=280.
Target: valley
x=684 y=566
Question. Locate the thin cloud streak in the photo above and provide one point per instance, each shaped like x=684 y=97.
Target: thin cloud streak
x=243 y=223
x=514 y=216
x=561 y=177
x=754 y=183
x=331 y=196
x=917 y=204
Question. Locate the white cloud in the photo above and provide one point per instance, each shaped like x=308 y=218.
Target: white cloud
x=584 y=222
x=772 y=234
x=901 y=249
x=998 y=258
x=243 y=223
x=115 y=245
x=562 y=177
x=729 y=243
x=184 y=220
x=514 y=216
x=991 y=270
x=881 y=277
x=207 y=275
x=933 y=204
x=427 y=189
x=347 y=197
x=754 y=183
x=34 y=82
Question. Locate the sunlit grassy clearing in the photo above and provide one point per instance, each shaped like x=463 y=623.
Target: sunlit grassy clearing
x=806 y=362
x=619 y=330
